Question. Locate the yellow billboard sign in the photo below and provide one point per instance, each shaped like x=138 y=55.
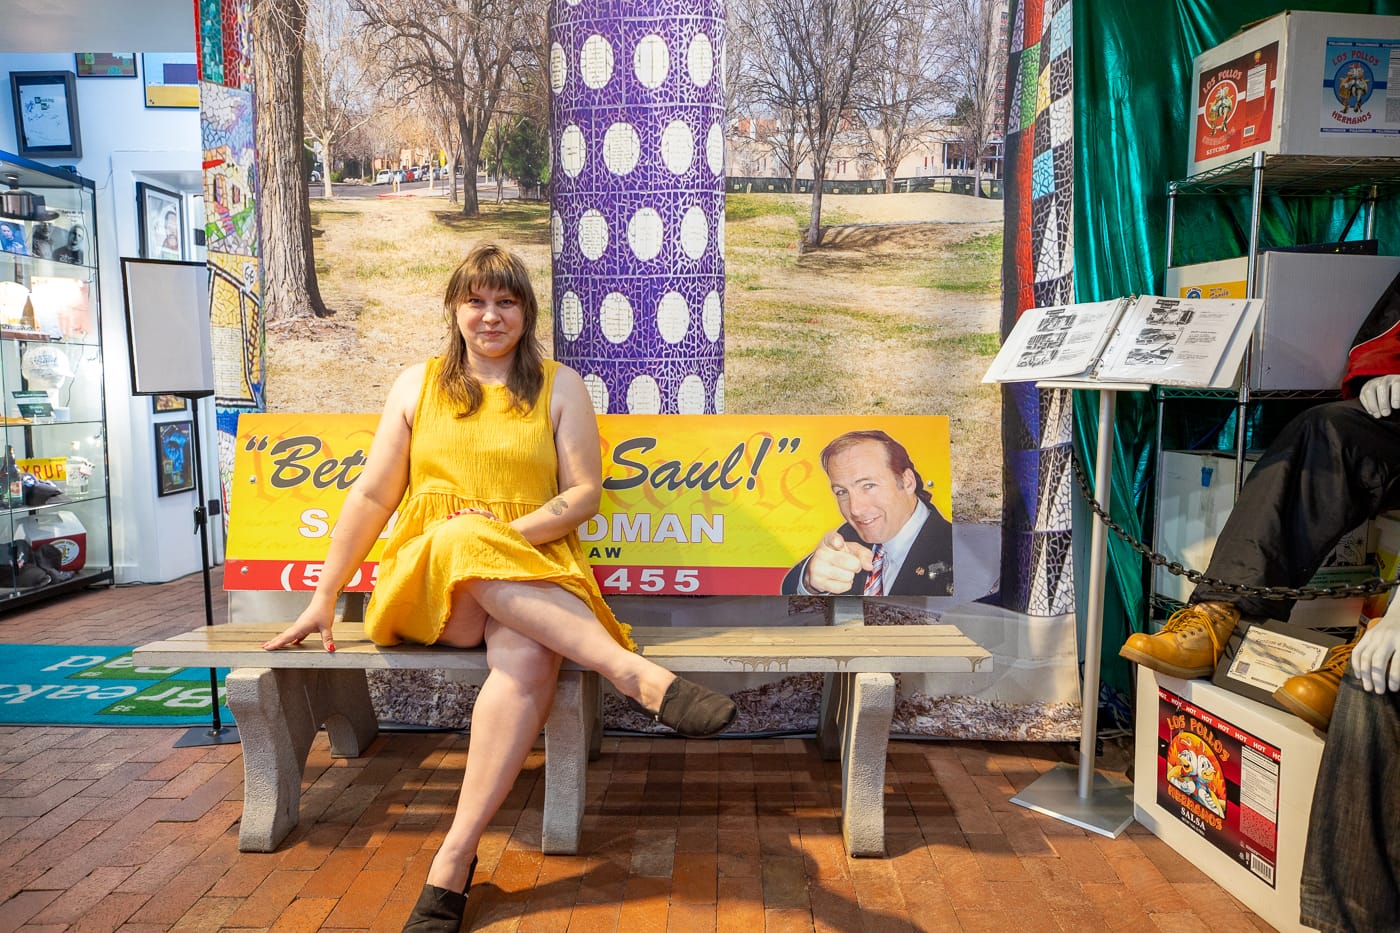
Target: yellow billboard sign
x=699 y=504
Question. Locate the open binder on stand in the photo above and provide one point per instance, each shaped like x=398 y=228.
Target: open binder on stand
x=1193 y=342
x=1125 y=345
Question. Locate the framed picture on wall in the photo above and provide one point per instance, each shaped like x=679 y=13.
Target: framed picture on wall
x=46 y=114
x=105 y=64
x=163 y=404
x=161 y=217
x=174 y=457
x=171 y=79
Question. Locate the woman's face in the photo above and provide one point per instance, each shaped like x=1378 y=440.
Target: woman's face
x=491 y=321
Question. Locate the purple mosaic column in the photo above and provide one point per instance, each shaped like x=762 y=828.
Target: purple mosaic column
x=637 y=190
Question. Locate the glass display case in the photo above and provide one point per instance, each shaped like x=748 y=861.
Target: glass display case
x=55 y=518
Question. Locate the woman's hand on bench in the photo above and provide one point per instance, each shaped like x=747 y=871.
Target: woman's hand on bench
x=313 y=619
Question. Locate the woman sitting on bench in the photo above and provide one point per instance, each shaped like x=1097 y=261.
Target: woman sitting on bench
x=498 y=450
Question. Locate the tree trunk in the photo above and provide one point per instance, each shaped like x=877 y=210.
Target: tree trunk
x=327 y=191
x=289 y=288
x=889 y=181
x=471 y=158
x=814 y=224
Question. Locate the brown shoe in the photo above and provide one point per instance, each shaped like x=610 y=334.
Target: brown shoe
x=1311 y=696
x=692 y=710
x=1190 y=643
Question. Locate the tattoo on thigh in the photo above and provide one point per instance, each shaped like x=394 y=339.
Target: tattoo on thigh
x=557 y=505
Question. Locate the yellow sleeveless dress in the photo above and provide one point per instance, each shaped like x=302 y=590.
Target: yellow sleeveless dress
x=496 y=459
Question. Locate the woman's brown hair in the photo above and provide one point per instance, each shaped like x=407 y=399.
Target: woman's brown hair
x=491 y=266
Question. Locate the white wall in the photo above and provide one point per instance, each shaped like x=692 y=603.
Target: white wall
x=123 y=143
x=107 y=25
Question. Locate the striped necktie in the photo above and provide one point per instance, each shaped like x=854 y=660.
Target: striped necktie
x=874 y=585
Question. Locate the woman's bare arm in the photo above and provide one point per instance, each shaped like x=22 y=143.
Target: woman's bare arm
x=580 y=464
x=370 y=502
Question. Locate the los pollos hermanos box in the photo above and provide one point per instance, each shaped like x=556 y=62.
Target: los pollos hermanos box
x=1299 y=83
x=1227 y=783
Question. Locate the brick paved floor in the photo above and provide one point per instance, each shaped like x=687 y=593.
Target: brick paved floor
x=104 y=829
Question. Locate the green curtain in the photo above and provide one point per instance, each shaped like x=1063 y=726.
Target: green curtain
x=1132 y=102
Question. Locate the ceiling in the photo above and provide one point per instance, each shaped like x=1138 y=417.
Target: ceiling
x=97 y=26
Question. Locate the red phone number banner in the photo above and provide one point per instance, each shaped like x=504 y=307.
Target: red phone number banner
x=703 y=504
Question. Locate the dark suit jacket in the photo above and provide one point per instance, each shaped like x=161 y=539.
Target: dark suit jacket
x=927 y=570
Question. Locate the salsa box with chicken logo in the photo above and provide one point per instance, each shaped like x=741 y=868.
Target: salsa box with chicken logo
x=1228 y=783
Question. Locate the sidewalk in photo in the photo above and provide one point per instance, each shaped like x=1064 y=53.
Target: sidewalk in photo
x=113 y=829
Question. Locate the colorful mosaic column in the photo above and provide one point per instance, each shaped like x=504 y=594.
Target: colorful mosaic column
x=637 y=188
x=1037 y=572
x=224 y=48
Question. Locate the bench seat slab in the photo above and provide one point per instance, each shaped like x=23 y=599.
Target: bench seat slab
x=280 y=699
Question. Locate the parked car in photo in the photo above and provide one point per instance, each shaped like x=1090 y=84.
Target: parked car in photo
x=384 y=177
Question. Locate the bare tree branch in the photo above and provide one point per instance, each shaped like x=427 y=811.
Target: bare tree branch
x=339 y=84
x=910 y=92
x=460 y=49
x=813 y=59
x=975 y=37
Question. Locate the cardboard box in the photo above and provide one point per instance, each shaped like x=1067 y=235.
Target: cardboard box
x=1313 y=305
x=1262 y=768
x=1196 y=493
x=1385 y=544
x=1299 y=83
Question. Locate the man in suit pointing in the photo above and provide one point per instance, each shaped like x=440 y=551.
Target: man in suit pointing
x=894 y=542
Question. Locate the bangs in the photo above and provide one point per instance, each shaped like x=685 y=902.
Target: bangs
x=493 y=267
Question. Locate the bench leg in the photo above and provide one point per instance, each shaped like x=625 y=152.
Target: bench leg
x=567 y=742
x=593 y=711
x=840 y=610
x=343 y=704
x=276 y=727
x=864 y=742
x=834 y=700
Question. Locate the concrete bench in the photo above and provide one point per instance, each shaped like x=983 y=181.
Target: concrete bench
x=280 y=699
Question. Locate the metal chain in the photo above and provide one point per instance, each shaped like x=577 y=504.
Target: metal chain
x=1369 y=588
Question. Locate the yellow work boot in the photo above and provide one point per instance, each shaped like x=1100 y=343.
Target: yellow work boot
x=1311 y=696
x=1189 y=644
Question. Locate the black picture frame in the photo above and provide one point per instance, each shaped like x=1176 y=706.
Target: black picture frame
x=46 y=114
x=105 y=64
x=154 y=205
x=169 y=404
x=174 y=457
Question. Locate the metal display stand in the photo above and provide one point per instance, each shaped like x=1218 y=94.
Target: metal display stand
x=1367 y=178
x=1079 y=794
x=217 y=732
x=167 y=324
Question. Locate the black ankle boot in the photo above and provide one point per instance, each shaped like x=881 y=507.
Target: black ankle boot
x=439 y=910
